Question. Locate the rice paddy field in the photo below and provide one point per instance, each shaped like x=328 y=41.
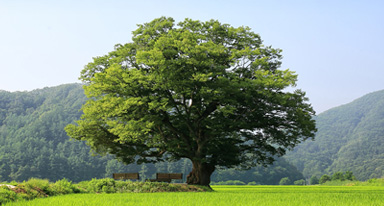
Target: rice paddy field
x=229 y=195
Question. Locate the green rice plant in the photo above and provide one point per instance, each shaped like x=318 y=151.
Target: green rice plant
x=228 y=195
x=155 y=193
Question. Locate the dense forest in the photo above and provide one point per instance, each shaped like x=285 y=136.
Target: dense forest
x=349 y=138
x=33 y=143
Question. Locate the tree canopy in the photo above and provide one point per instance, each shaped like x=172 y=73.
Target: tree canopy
x=205 y=91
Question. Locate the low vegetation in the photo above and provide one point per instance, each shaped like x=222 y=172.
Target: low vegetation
x=371 y=182
x=39 y=188
x=335 y=177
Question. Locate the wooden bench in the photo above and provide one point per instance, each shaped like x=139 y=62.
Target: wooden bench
x=126 y=176
x=167 y=177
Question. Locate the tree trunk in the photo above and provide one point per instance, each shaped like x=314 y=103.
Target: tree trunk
x=200 y=174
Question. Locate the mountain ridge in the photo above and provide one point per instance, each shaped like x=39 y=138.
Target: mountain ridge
x=349 y=137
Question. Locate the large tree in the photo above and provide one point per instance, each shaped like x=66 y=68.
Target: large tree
x=205 y=91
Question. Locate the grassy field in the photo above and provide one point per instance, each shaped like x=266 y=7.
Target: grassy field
x=229 y=195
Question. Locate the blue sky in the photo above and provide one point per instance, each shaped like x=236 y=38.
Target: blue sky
x=336 y=47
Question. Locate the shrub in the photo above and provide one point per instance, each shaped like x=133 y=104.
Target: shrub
x=7 y=195
x=253 y=183
x=63 y=187
x=126 y=186
x=299 y=182
x=285 y=181
x=106 y=185
x=38 y=187
x=33 y=188
x=373 y=180
x=349 y=176
x=324 y=179
x=338 y=176
x=14 y=183
x=314 y=180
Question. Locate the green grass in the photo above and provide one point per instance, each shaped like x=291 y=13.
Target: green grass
x=229 y=195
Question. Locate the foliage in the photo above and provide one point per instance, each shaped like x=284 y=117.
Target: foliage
x=323 y=179
x=299 y=182
x=39 y=188
x=376 y=181
x=349 y=137
x=64 y=186
x=338 y=176
x=106 y=185
x=285 y=181
x=270 y=175
x=40 y=185
x=314 y=180
x=370 y=182
x=204 y=91
x=33 y=144
x=7 y=195
x=349 y=176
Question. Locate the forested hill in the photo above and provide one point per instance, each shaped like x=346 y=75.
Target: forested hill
x=32 y=140
x=349 y=137
x=33 y=143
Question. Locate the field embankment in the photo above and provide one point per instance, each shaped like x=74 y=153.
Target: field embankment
x=38 y=188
